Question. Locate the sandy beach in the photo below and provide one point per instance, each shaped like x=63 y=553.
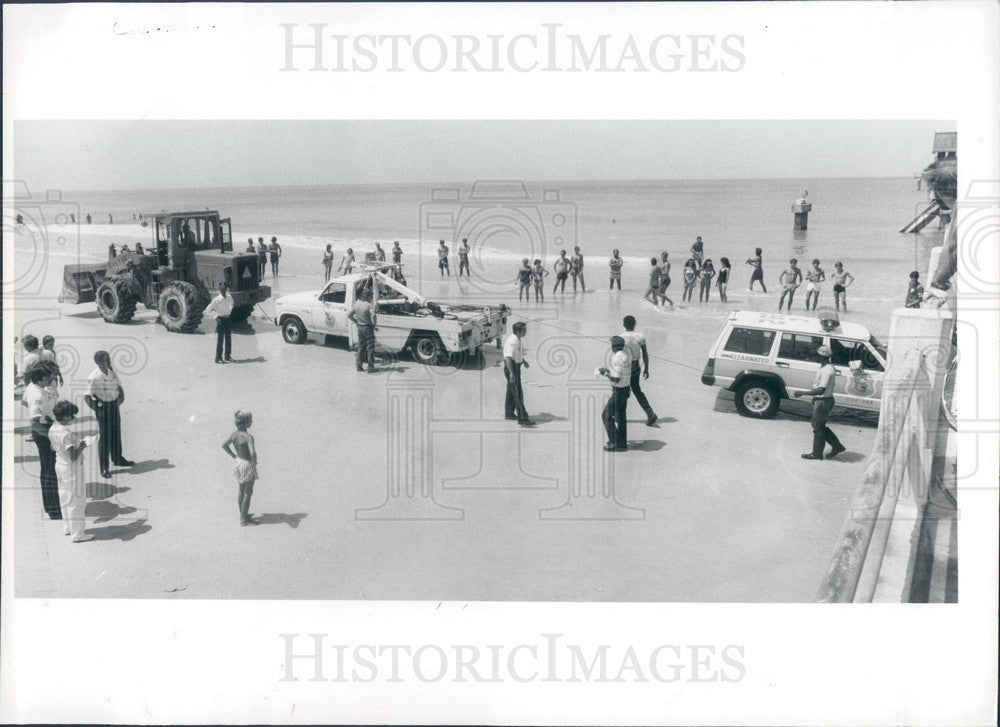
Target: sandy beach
x=708 y=505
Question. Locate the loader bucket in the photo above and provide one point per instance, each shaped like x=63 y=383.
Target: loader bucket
x=80 y=283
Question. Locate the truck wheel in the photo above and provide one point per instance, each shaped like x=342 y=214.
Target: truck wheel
x=428 y=349
x=757 y=399
x=293 y=331
x=181 y=307
x=241 y=313
x=114 y=301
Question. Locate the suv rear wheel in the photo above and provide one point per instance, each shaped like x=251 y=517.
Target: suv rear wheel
x=758 y=399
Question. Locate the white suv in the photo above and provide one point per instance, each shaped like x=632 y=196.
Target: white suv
x=766 y=357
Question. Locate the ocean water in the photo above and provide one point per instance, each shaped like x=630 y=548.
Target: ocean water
x=855 y=221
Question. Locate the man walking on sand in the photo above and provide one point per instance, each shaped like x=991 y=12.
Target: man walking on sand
x=362 y=314
x=105 y=396
x=513 y=360
x=614 y=415
x=635 y=347
x=822 y=393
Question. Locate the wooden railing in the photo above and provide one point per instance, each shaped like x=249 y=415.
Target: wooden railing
x=900 y=459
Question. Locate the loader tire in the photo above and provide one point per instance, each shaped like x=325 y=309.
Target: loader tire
x=114 y=301
x=181 y=307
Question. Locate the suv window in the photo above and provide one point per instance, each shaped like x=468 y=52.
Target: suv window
x=845 y=351
x=750 y=340
x=335 y=293
x=799 y=347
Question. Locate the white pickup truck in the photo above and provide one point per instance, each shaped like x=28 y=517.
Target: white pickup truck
x=404 y=320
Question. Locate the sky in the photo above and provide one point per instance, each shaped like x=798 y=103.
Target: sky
x=100 y=155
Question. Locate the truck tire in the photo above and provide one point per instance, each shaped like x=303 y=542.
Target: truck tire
x=114 y=301
x=757 y=399
x=181 y=307
x=428 y=349
x=241 y=313
x=293 y=330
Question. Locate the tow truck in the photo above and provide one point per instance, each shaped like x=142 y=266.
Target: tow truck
x=405 y=320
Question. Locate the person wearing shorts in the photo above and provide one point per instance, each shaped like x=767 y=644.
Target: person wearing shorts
x=789 y=280
x=562 y=266
x=240 y=446
x=328 y=262
x=757 y=261
x=841 y=279
x=615 y=264
x=814 y=281
x=664 y=279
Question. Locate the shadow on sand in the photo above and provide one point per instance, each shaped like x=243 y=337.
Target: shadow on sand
x=123 y=532
x=148 y=465
x=646 y=445
x=280 y=518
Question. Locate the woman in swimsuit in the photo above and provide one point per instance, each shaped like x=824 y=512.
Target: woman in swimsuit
x=538 y=274
x=690 y=276
x=524 y=276
x=328 y=262
x=706 y=274
x=723 y=280
x=841 y=279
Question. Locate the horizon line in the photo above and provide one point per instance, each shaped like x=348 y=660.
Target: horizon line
x=468 y=182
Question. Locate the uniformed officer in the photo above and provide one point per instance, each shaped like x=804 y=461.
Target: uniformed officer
x=822 y=393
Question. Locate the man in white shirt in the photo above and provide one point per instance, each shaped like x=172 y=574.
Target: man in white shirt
x=822 y=393
x=635 y=347
x=615 y=423
x=105 y=395
x=222 y=307
x=40 y=398
x=513 y=360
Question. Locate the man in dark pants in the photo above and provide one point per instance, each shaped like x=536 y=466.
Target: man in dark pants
x=363 y=316
x=513 y=360
x=822 y=393
x=615 y=422
x=635 y=347
x=105 y=396
x=40 y=398
x=222 y=307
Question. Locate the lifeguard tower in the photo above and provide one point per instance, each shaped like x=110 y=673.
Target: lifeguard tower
x=941 y=176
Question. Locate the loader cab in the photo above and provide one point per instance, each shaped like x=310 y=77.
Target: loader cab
x=182 y=233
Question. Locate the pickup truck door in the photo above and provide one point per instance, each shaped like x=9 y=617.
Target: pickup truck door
x=796 y=361
x=860 y=373
x=330 y=313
